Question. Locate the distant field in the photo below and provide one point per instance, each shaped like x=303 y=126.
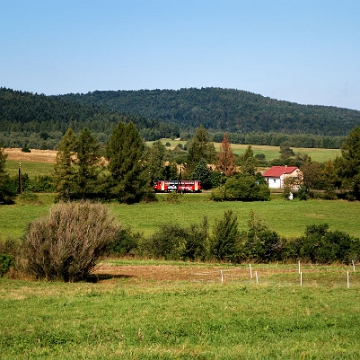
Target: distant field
x=29 y=167
x=35 y=163
x=288 y=218
x=270 y=152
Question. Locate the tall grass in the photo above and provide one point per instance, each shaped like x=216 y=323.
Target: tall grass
x=133 y=319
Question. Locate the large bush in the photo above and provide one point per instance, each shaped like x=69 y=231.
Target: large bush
x=173 y=242
x=66 y=244
x=320 y=245
x=242 y=188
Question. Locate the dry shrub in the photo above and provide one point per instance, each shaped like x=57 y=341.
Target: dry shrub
x=67 y=244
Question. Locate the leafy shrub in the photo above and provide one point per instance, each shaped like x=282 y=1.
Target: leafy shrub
x=169 y=243
x=197 y=241
x=260 y=243
x=319 y=245
x=126 y=243
x=43 y=183
x=28 y=197
x=242 y=188
x=302 y=193
x=67 y=244
x=172 y=197
x=217 y=194
x=173 y=242
x=6 y=261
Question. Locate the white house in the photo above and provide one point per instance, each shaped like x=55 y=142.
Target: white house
x=276 y=176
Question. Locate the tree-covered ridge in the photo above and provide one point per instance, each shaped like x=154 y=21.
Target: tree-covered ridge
x=24 y=112
x=226 y=110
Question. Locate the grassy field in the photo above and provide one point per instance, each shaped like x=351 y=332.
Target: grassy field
x=29 y=167
x=270 y=152
x=129 y=316
x=288 y=218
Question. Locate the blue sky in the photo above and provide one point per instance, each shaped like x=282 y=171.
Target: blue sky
x=305 y=51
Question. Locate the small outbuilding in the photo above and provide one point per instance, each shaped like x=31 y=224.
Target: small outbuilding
x=277 y=175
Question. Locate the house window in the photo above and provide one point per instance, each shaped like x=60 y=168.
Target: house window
x=274 y=180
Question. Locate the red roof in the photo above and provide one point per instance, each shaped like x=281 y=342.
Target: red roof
x=277 y=171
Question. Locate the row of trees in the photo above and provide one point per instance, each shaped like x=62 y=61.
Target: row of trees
x=125 y=168
x=80 y=172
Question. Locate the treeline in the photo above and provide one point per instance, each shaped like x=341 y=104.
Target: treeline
x=39 y=121
x=229 y=110
x=275 y=139
x=131 y=168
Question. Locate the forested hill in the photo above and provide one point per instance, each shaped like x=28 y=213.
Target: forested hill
x=24 y=112
x=226 y=110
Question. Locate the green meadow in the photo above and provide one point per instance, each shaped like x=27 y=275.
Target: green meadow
x=217 y=311
x=200 y=318
x=288 y=218
x=29 y=167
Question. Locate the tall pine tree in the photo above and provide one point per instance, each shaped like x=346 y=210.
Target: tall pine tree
x=350 y=162
x=129 y=177
x=87 y=160
x=200 y=148
x=6 y=196
x=64 y=169
x=156 y=163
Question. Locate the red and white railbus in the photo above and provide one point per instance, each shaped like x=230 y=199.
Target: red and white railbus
x=184 y=186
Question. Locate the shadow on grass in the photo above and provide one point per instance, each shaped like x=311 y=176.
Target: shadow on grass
x=94 y=278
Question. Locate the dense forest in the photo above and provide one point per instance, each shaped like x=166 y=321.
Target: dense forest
x=226 y=110
x=40 y=121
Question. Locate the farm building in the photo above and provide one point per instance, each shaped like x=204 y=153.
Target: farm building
x=276 y=176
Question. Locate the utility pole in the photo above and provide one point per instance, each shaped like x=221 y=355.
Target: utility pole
x=20 y=180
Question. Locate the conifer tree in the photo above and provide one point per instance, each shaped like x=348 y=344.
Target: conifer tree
x=202 y=173
x=226 y=158
x=87 y=159
x=156 y=161
x=5 y=194
x=350 y=162
x=249 y=162
x=201 y=148
x=64 y=169
x=129 y=177
x=225 y=240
